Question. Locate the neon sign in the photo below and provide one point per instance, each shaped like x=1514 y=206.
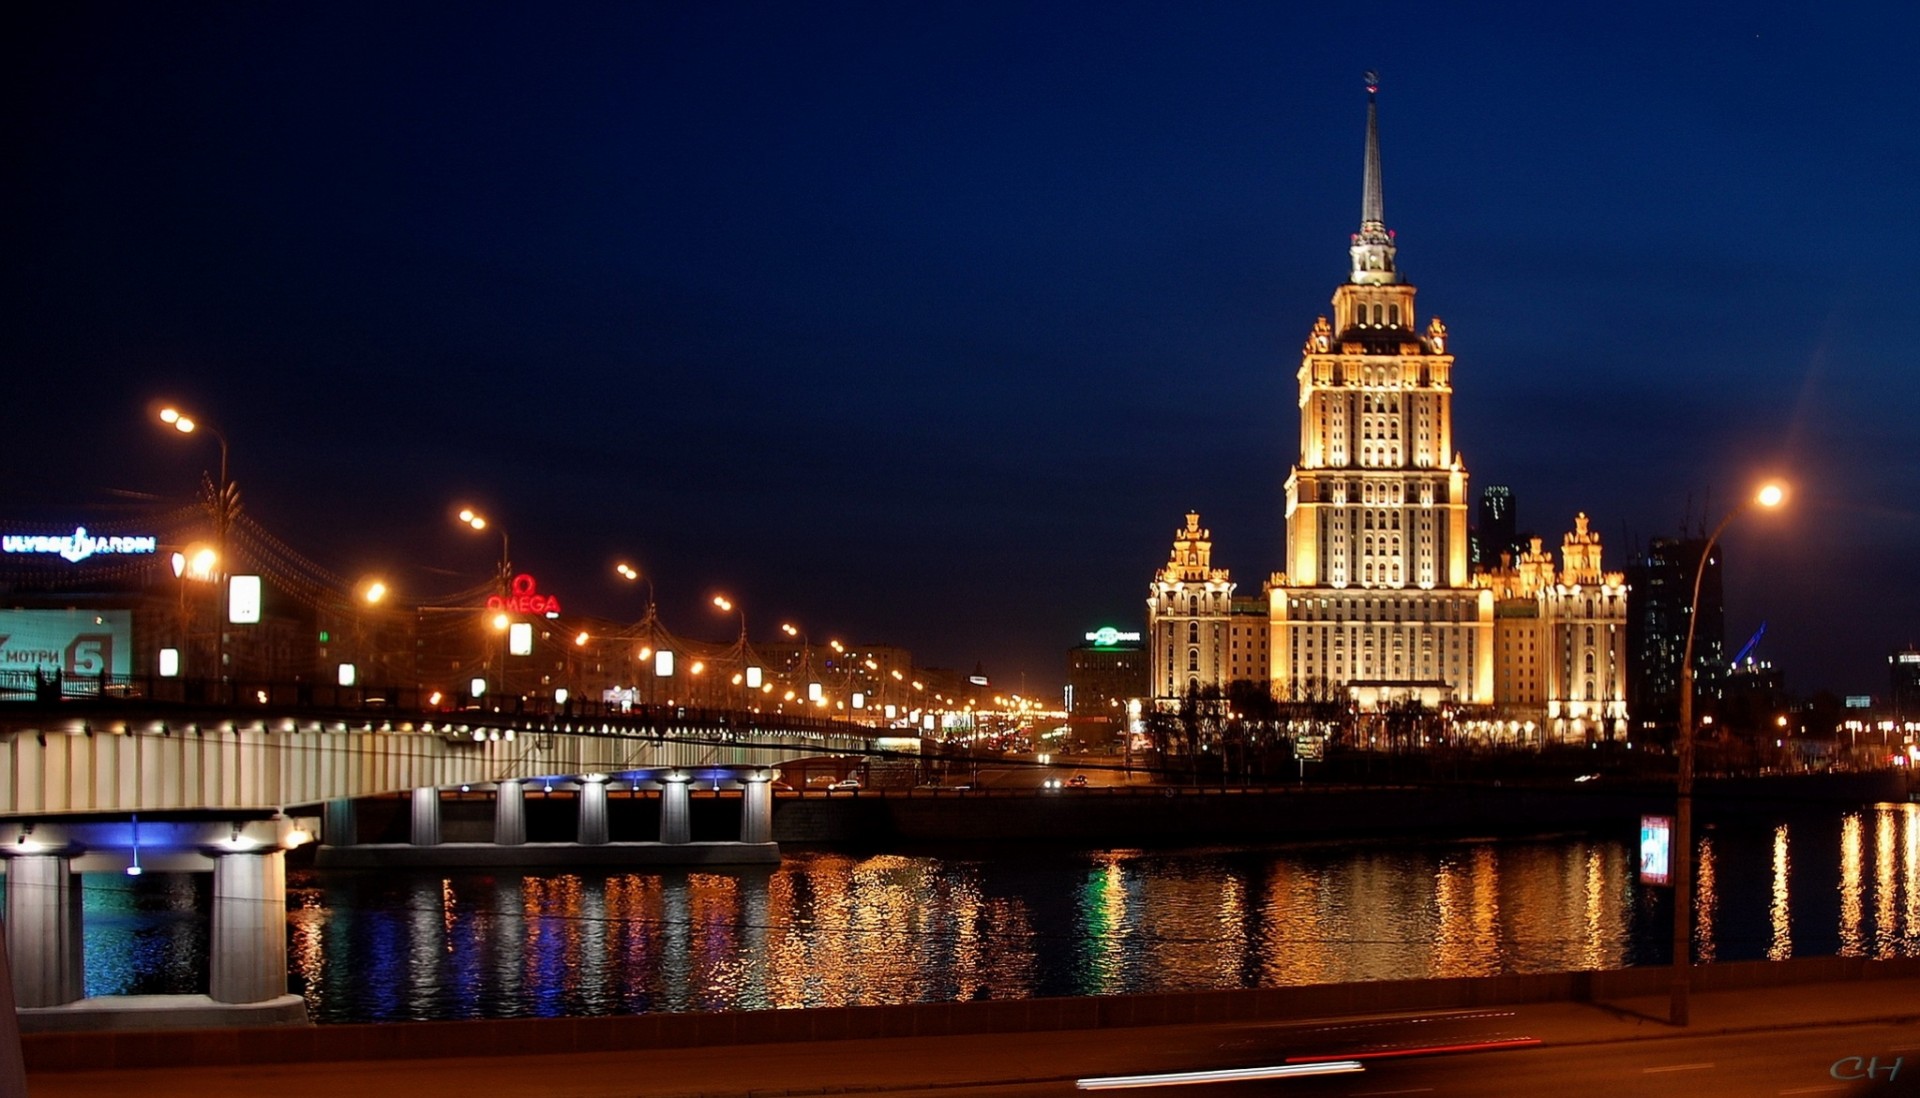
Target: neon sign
x=79 y=545
x=1108 y=636
x=525 y=598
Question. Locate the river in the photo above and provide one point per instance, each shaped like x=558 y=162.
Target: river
x=827 y=928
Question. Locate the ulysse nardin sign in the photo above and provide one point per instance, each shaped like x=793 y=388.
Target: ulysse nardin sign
x=79 y=545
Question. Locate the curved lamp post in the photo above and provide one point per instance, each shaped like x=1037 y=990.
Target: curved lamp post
x=225 y=502
x=480 y=522
x=1770 y=496
x=500 y=622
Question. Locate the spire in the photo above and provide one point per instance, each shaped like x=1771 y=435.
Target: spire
x=1373 y=248
x=1372 y=203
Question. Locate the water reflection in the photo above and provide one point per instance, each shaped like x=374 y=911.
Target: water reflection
x=1851 y=907
x=827 y=928
x=1885 y=885
x=1781 y=946
x=1706 y=898
x=1910 y=876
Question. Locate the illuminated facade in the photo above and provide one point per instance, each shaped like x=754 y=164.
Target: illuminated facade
x=1560 y=641
x=1376 y=596
x=1189 y=615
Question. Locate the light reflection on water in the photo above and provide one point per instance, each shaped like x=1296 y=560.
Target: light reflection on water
x=830 y=928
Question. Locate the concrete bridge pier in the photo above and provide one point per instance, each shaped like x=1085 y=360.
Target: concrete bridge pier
x=424 y=822
x=592 y=827
x=756 y=807
x=44 y=931
x=337 y=825
x=676 y=811
x=247 y=960
x=510 y=814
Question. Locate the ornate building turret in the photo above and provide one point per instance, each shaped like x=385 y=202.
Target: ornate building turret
x=1188 y=607
x=1581 y=552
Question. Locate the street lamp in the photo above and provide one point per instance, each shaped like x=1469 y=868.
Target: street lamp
x=805 y=671
x=479 y=522
x=726 y=606
x=632 y=575
x=225 y=503
x=1769 y=496
x=372 y=593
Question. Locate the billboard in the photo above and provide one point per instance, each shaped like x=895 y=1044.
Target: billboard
x=77 y=643
x=243 y=600
x=1656 y=850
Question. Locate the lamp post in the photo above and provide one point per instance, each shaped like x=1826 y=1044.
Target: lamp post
x=225 y=503
x=632 y=575
x=372 y=593
x=806 y=660
x=1769 y=497
x=726 y=606
x=646 y=626
x=479 y=522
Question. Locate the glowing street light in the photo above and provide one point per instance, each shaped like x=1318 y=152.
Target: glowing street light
x=225 y=504
x=1769 y=497
x=479 y=522
x=726 y=606
x=373 y=592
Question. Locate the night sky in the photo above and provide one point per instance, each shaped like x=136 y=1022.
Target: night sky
x=925 y=324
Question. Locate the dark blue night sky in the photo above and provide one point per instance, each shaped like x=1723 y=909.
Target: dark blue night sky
x=925 y=324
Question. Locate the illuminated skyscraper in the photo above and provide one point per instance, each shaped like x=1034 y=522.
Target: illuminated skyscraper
x=1661 y=586
x=1376 y=596
x=1904 y=685
x=1495 y=532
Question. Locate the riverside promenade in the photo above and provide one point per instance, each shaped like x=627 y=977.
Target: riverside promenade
x=1832 y=1026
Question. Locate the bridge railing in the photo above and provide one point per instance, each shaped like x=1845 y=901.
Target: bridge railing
x=30 y=689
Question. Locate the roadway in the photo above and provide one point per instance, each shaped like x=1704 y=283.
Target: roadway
x=1824 y=1039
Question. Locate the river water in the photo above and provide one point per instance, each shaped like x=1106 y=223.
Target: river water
x=826 y=929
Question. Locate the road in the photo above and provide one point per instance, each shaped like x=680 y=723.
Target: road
x=1855 y=1038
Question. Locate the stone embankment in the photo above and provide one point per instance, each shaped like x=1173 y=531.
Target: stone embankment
x=1307 y=813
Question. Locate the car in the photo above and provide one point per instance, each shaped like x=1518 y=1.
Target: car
x=848 y=782
x=1078 y=781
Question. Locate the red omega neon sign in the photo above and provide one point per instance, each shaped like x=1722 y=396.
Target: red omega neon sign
x=525 y=599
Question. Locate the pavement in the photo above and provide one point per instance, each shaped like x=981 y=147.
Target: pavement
x=1840 y=1038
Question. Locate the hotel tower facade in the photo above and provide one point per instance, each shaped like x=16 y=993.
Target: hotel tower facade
x=1379 y=603
x=1376 y=595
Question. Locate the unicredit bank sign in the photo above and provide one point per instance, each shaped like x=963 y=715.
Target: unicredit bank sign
x=79 y=545
x=525 y=598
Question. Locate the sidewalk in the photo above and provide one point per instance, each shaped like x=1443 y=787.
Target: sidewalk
x=833 y=1067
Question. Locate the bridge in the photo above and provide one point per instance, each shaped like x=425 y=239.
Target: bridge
x=129 y=775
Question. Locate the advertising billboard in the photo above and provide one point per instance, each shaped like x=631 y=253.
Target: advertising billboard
x=80 y=644
x=1656 y=850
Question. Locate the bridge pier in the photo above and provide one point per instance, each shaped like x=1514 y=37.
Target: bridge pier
x=337 y=824
x=424 y=822
x=44 y=929
x=756 y=807
x=676 y=812
x=592 y=827
x=510 y=814
x=247 y=960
